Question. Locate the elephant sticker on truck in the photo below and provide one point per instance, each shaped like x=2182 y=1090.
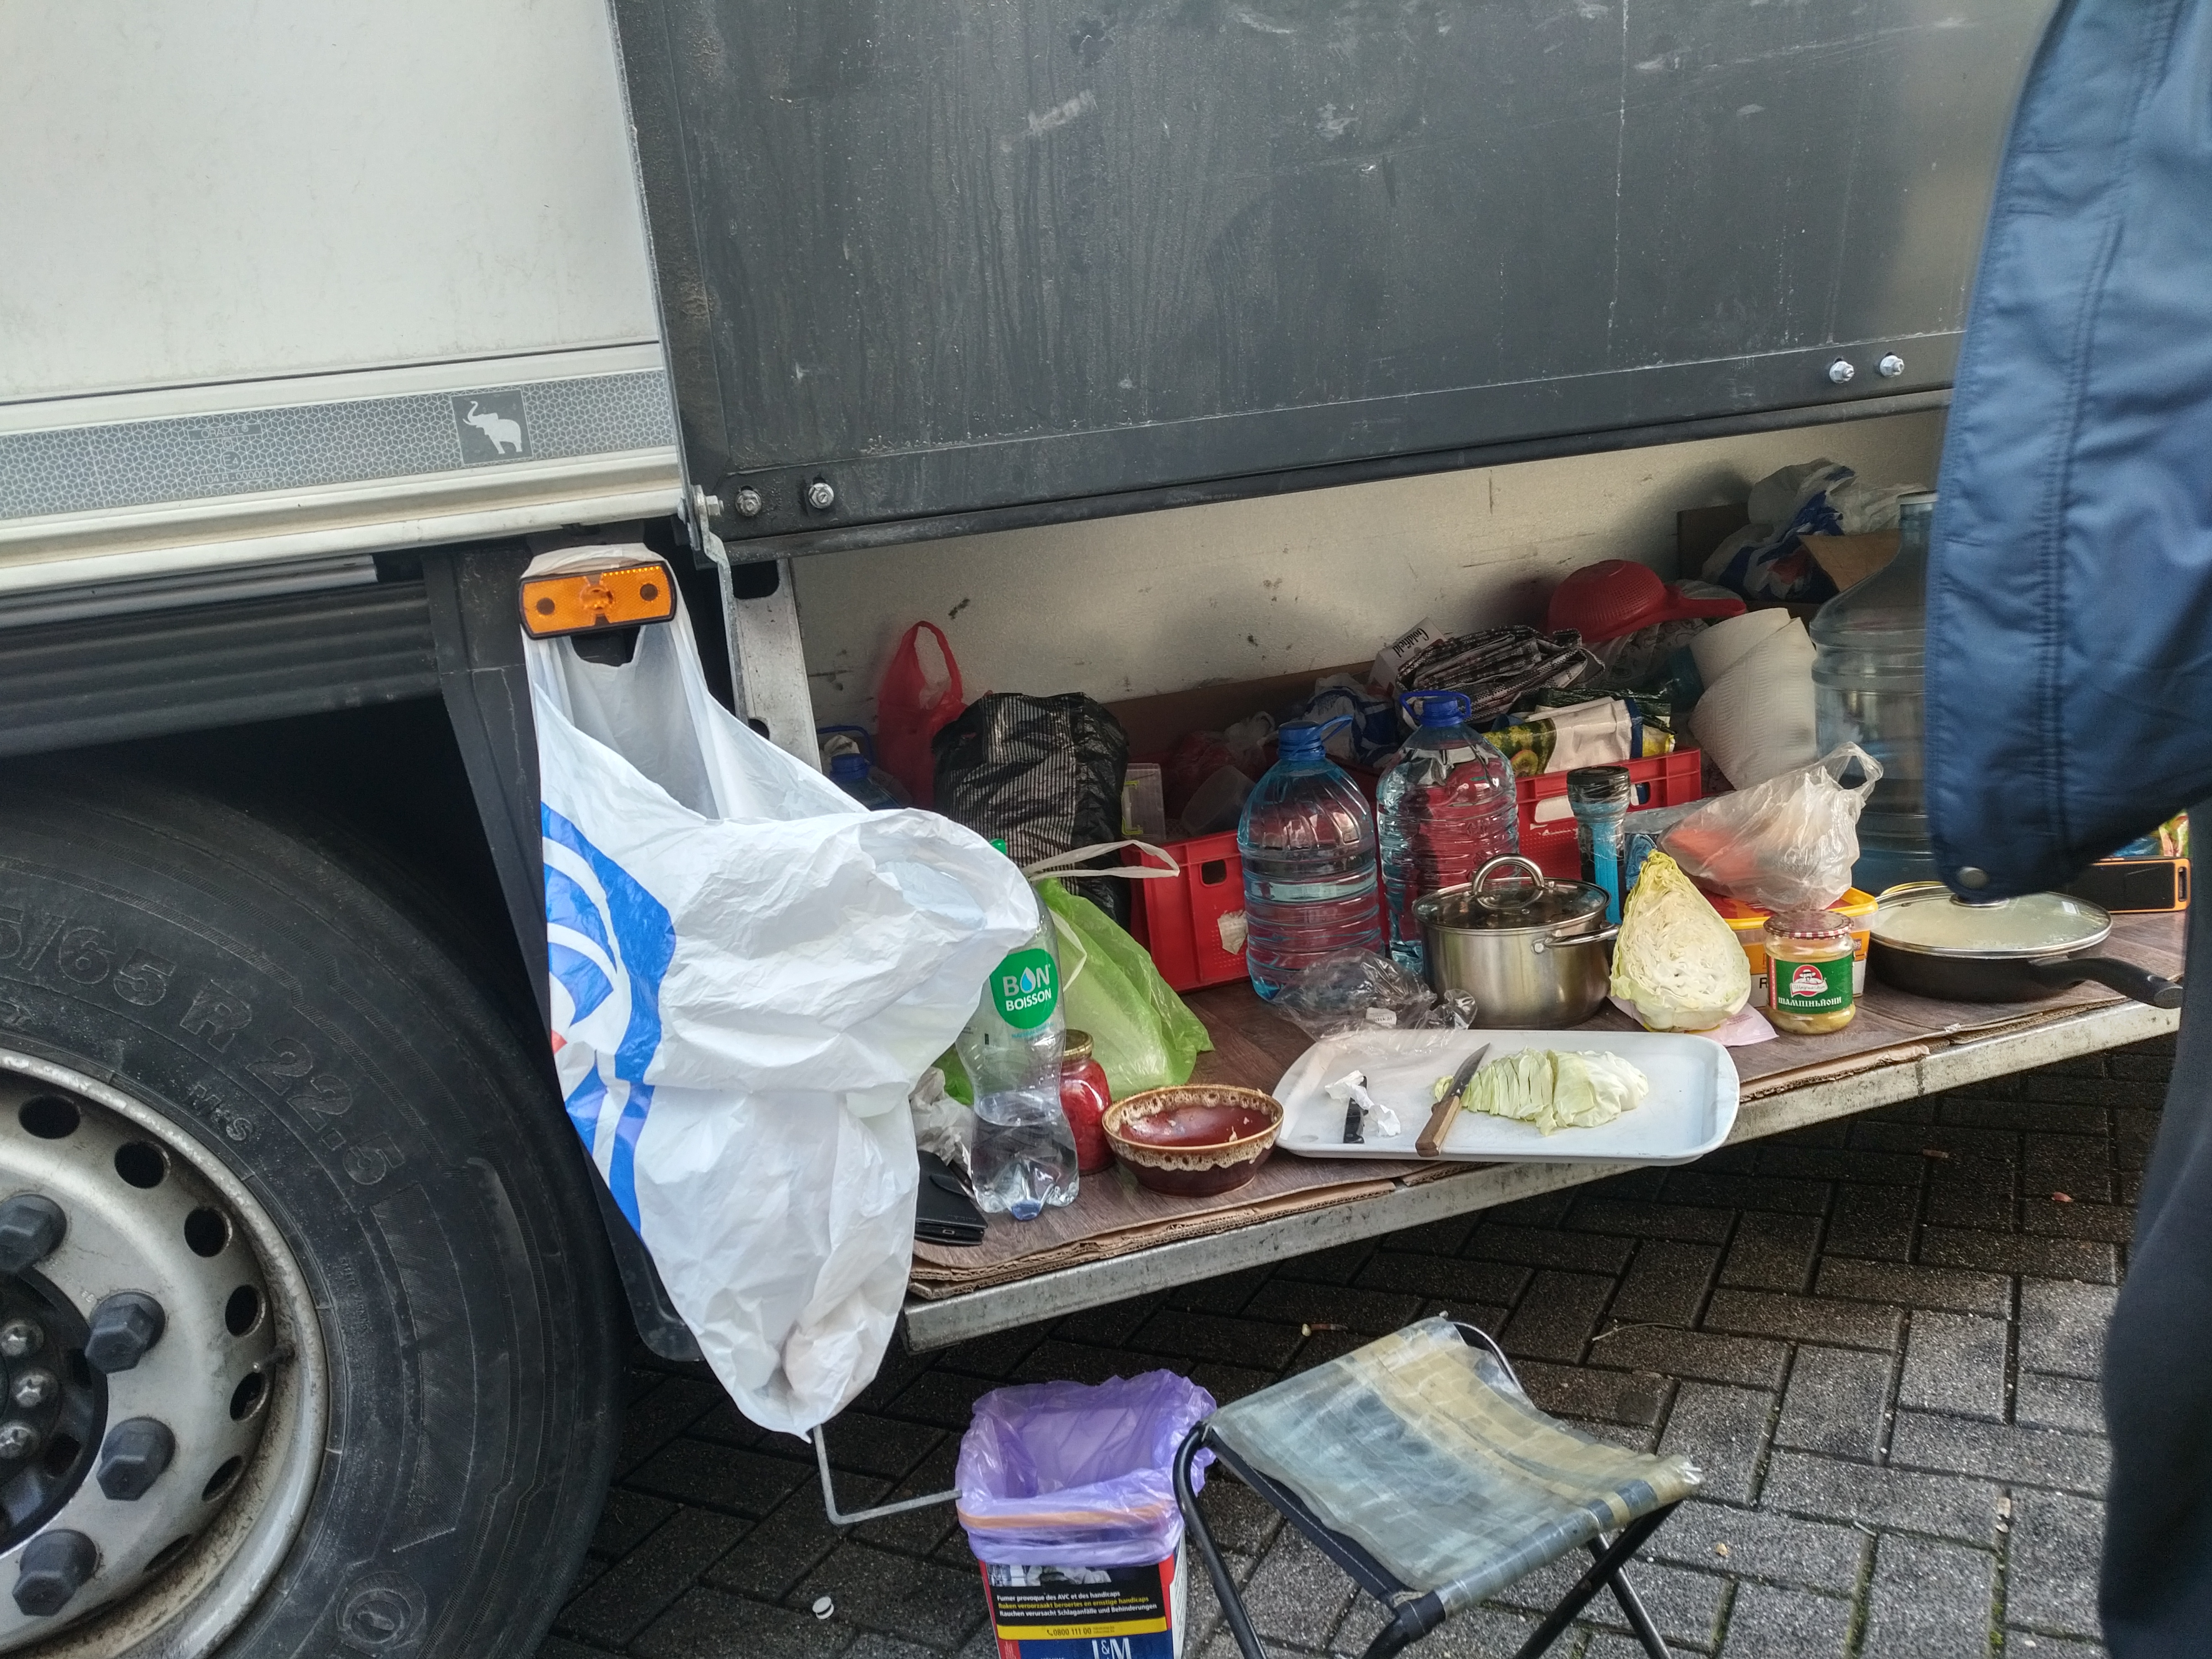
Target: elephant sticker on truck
x=493 y=426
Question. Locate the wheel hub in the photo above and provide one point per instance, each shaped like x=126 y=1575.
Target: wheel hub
x=143 y=1356
x=53 y=1405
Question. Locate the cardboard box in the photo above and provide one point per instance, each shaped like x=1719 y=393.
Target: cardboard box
x=1088 y=1613
x=1850 y=560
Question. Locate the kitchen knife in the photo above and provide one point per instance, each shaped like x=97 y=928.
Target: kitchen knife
x=1351 y=1090
x=1430 y=1141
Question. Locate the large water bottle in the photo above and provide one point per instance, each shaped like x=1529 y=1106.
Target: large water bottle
x=852 y=774
x=1868 y=689
x=1446 y=806
x=1307 y=843
x=1022 y=1157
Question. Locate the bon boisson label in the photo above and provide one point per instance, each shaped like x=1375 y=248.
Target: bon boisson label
x=1025 y=988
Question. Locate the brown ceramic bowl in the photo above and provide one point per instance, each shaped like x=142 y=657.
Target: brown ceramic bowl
x=1194 y=1141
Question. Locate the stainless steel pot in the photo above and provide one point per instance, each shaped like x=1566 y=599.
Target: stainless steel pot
x=1532 y=952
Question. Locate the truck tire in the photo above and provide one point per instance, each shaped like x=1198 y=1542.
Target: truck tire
x=382 y=1379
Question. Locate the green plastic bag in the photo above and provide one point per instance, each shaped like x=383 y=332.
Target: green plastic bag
x=1140 y=1031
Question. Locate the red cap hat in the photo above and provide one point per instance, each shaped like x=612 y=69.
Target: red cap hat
x=1616 y=597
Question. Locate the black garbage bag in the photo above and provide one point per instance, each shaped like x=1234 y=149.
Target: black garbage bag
x=1041 y=774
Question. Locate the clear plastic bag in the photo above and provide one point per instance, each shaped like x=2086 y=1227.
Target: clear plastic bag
x=1069 y=1474
x=1357 y=990
x=1783 y=844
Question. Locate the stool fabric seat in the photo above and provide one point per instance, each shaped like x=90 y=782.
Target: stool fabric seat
x=1418 y=1466
x=1425 y=1450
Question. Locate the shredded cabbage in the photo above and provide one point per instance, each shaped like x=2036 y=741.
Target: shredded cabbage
x=1555 y=1089
x=1677 y=965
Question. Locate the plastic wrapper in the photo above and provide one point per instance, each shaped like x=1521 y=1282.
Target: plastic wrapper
x=1357 y=990
x=1645 y=659
x=1140 y=1032
x=1069 y=1474
x=1784 y=844
x=1586 y=732
x=944 y=1125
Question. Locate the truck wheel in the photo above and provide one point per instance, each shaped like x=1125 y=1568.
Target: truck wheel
x=308 y=1327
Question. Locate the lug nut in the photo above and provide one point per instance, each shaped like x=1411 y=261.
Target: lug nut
x=1890 y=366
x=55 y=1567
x=820 y=497
x=124 y=1328
x=1841 y=372
x=133 y=1455
x=17 y=1441
x=31 y=1227
x=20 y=1338
x=34 y=1389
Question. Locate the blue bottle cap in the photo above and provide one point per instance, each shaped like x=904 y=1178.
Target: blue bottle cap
x=1438 y=707
x=1306 y=741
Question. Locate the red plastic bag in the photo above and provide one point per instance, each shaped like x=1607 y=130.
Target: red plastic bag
x=911 y=705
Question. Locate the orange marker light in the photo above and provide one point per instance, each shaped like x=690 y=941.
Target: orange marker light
x=576 y=601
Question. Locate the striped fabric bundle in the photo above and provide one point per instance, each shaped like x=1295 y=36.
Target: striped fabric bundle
x=1501 y=669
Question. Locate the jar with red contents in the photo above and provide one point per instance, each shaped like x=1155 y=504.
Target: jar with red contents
x=1085 y=1096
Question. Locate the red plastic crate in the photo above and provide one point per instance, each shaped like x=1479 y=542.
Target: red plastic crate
x=1181 y=919
x=1664 y=781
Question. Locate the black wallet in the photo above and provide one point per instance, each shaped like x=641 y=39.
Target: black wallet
x=945 y=1213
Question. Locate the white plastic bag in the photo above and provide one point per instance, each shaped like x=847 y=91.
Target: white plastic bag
x=1782 y=844
x=749 y=972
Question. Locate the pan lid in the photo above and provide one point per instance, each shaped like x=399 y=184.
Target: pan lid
x=1509 y=894
x=1927 y=917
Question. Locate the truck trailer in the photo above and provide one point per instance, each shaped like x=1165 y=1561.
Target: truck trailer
x=318 y=322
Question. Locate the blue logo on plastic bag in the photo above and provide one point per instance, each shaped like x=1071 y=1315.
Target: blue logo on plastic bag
x=608 y=944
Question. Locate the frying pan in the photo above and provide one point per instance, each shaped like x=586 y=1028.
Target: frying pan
x=1933 y=945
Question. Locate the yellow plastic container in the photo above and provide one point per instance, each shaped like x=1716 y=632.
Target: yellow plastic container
x=1748 y=923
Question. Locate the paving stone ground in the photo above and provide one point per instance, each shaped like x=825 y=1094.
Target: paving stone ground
x=1880 y=1339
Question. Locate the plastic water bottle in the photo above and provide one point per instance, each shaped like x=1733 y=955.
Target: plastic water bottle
x=1599 y=797
x=1022 y=1158
x=1447 y=805
x=1308 y=844
x=1868 y=689
x=850 y=773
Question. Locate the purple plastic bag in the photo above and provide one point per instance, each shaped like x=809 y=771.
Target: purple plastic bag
x=1066 y=1474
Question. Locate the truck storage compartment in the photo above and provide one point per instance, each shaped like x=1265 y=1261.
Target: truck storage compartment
x=953 y=262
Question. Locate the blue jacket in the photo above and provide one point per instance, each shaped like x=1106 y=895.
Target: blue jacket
x=2070 y=643
x=2069 y=657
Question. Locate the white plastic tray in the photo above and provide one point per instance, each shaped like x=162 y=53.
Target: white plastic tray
x=1687 y=1113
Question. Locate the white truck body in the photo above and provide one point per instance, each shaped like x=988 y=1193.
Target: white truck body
x=259 y=265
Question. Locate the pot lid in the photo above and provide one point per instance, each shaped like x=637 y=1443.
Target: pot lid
x=1513 y=895
x=1925 y=915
